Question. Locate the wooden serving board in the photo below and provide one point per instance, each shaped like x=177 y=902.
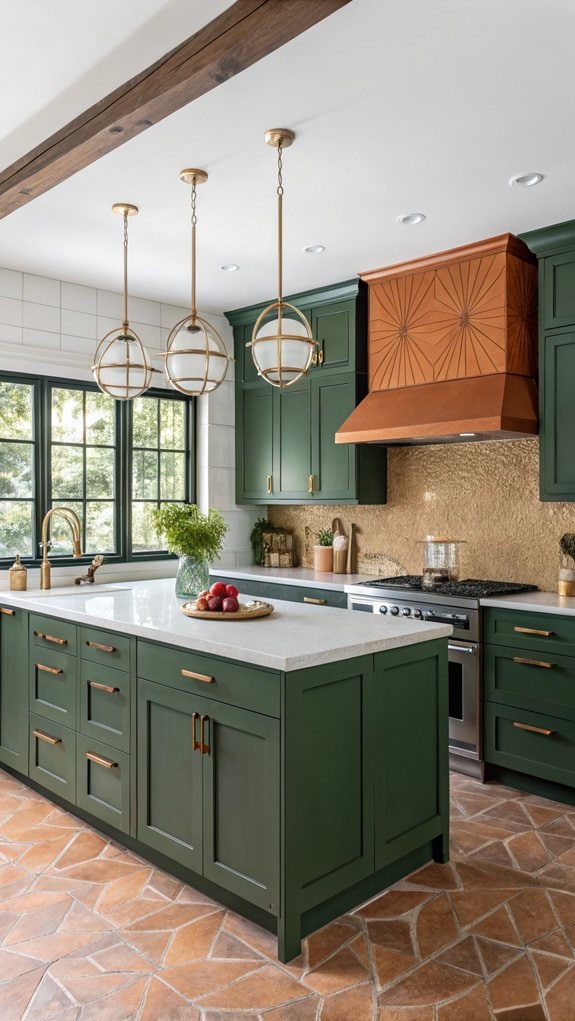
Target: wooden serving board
x=247 y=611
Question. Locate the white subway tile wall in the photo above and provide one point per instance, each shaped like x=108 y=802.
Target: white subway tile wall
x=53 y=326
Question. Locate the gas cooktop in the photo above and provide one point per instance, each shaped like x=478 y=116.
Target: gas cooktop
x=472 y=588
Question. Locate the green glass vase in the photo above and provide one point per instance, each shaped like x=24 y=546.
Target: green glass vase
x=193 y=576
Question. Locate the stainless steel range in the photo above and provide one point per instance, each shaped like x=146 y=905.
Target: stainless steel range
x=455 y=603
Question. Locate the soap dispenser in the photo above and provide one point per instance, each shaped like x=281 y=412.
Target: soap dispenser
x=18 y=576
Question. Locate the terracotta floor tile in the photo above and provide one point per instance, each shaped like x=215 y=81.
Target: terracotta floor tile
x=407 y=1014
x=541 y=815
x=495 y=956
x=471 y=1006
x=554 y=943
x=80 y=919
x=100 y=870
x=549 y=968
x=391 y=965
x=37 y=923
x=167 y=885
x=327 y=940
x=562 y=827
x=57 y=944
x=83 y=847
x=395 y=934
x=430 y=983
x=350 y=1005
x=463 y=955
x=436 y=926
x=84 y=989
x=393 y=903
x=122 y=890
x=16 y=994
x=515 y=986
x=556 y=844
x=118 y=1006
x=564 y=904
x=49 y=1001
x=161 y=1001
x=74 y=967
x=531 y=1013
x=14 y=964
x=200 y=977
x=39 y=856
x=494 y=877
x=532 y=914
x=170 y=917
x=10 y=874
x=27 y=902
x=151 y=944
x=528 y=851
x=340 y=971
x=561 y=997
x=122 y=958
x=438 y=877
x=194 y=940
x=561 y=877
x=227 y=947
x=301 y=1010
x=471 y=905
x=495 y=852
x=254 y=936
x=267 y=987
x=498 y=926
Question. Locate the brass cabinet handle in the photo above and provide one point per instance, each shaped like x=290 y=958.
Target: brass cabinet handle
x=312 y=599
x=101 y=760
x=48 y=669
x=533 y=631
x=195 y=743
x=103 y=687
x=310 y=483
x=204 y=748
x=43 y=736
x=102 y=648
x=314 y=358
x=533 y=662
x=534 y=730
x=198 y=677
x=320 y=356
x=51 y=638
x=9 y=613
x=270 y=484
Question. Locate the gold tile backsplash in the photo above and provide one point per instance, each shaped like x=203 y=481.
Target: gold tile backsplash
x=485 y=493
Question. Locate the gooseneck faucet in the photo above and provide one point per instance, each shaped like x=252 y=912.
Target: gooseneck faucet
x=73 y=521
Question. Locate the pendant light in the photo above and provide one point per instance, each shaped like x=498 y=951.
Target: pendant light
x=122 y=366
x=282 y=346
x=196 y=360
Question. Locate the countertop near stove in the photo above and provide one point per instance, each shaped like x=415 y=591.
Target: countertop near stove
x=533 y=602
x=293 y=576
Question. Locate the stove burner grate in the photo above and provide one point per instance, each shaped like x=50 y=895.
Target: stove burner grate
x=474 y=588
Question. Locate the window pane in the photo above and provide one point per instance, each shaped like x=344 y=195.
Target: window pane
x=99 y=472
x=16 y=414
x=173 y=424
x=67 y=473
x=16 y=469
x=144 y=536
x=60 y=532
x=100 y=419
x=172 y=476
x=145 y=475
x=145 y=422
x=67 y=415
x=99 y=528
x=17 y=529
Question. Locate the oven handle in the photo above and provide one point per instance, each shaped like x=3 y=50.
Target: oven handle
x=470 y=650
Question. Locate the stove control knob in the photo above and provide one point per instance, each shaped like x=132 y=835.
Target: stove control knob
x=394 y=610
x=406 y=612
x=383 y=608
x=418 y=614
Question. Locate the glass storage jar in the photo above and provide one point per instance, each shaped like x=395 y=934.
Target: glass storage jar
x=440 y=560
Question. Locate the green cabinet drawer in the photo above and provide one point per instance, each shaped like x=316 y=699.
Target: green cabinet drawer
x=293 y=593
x=103 y=782
x=226 y=681
x=53 y=685
x=530 y=681
x=53 y=757
x=105 y=647
x=50 y=633
x=104 y=705
x=539 y=632
x=530 y=743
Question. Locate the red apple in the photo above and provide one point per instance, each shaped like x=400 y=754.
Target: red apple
x=218 y=589
x=231 y=591
x=215 y=603
x=230 y=604
x=201 y=603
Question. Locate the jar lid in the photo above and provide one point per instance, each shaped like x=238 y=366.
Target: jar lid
x=441 y=539
x=17 y=565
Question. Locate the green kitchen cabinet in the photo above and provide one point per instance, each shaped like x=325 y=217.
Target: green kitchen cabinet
x=14 y=688
x=292 y=447
x=334 y=329
x=254 y=444
x=292 y=593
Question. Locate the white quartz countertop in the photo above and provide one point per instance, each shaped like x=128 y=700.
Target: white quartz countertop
x=295 y=636
x=293 y=576
x=534 y=602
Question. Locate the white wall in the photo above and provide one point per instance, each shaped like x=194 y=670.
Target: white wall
x=51 y=327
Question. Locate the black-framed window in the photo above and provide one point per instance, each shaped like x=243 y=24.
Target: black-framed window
x=65 y=443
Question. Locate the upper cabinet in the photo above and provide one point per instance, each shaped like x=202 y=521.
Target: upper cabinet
x=285 y=438
x=555 y=249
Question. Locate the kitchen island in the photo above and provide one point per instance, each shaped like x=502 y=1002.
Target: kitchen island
x=290 y=767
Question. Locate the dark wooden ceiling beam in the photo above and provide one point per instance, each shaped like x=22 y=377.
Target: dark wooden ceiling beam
x=244 y=33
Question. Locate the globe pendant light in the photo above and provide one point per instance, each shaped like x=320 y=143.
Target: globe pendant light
x=122 y=366
x=196 y=360
x=282 y=346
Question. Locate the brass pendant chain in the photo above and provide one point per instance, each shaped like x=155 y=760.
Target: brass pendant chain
x=280 y=192
x=126 y=324
x=194 y=223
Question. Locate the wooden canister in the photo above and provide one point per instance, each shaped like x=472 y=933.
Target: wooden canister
x=18 y=576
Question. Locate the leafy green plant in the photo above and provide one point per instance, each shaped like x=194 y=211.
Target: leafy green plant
x=262 y=525
x=567 y=544
x=325 y=537
x=190 y=533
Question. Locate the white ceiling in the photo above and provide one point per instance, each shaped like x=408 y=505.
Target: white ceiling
x=398 y=106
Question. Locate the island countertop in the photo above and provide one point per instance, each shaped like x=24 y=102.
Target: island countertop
x=294 y=637
x=301 y=576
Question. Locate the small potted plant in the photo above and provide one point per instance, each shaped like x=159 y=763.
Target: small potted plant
x=262 y=525
x=196 y=538
x=323 y=551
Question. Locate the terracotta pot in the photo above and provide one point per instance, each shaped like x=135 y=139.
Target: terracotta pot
x=323 y=558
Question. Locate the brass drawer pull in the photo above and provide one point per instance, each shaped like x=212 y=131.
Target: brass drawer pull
x=316 y=602
x=204 y=748
x=101 y=760
x=534 y=730
x=533 y=631
x=51 y=638
x=49 y=669
x=195 y=743
x=198 y=677
x=102 y=648
x=310 y=483
x=9 y=613
x=269 y=484
x=314 y=358
x=43 y=736
x=103 y=687
x=320 y=356
x=533 y=662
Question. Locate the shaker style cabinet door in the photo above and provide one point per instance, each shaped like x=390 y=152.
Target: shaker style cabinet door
x=333 y=328
x=14 y=688
x=292 y=439
x=254 y=443
x=333 y=464
x=557 y=440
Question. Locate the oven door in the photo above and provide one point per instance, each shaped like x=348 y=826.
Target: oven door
x=464 y=693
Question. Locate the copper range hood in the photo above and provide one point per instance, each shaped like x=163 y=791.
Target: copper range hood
x=452 y=348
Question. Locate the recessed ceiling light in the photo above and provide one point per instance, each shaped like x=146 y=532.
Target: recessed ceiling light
x=230 y=267
x=468 y=434
x=411 y=218
x=526 y=180
x=314 y=249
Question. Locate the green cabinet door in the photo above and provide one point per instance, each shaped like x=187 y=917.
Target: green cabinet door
x=558 y=290
x=246 y=371
x=254 y=443
x=333 y=464
x=557 y=441
x=14 y=688
x=333 y=328
x=241 y=798
x=292 y=442
x=169 y=773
